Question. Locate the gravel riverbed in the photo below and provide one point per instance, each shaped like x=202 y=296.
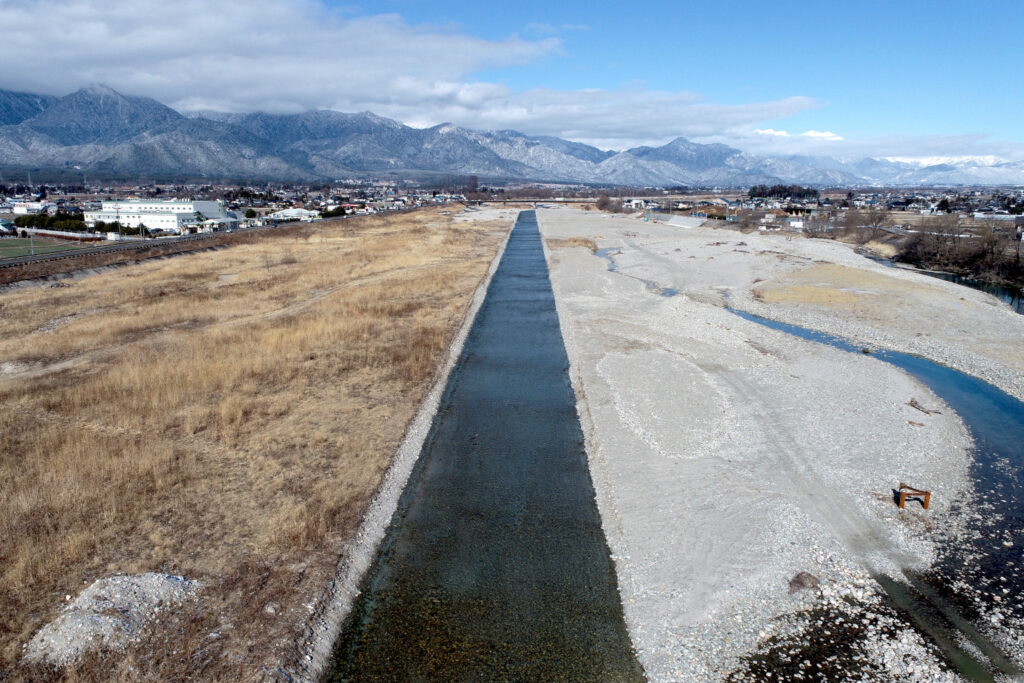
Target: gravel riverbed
x=730 y=459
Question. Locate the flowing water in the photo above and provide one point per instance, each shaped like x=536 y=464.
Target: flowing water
x=495 y=565
x=990 y=560
x=1014 y=297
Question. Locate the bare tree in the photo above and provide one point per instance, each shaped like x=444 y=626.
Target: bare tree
x=990 y=241
x=816 y=226
x=877 y=219
x=749 y=220
x=864 y=226
x=947 y=229
x=605 y=203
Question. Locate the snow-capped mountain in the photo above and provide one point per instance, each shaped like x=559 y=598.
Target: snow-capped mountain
x=100 y=130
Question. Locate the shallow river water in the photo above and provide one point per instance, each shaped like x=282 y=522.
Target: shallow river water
x=1014 y=297
x=495 y=565
x=982 y=575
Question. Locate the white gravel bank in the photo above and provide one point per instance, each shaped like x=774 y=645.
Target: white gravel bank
x=728 y=457
x=111 y=613
x=892 y=308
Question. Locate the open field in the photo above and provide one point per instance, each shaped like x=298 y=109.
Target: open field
x=16 y=247
x=732 y=461
x=224 y=415
x=139 y=251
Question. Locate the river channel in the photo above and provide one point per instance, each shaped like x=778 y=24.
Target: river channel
x=495 y=565
x=975 y=589
x=979 y=580
x=1012 y=296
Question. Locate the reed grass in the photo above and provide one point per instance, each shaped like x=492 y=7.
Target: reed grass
x=224 y=415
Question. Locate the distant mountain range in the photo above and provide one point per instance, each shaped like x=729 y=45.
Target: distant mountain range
x=100 y=131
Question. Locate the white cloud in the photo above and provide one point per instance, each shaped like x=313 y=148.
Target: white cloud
x=239 y=55
x=813 y=134
x=921 y=148
x=982 y=160
x=539 y=29
x=822 y=135
x=543 y=29
x=294 y=55
x=612 y=119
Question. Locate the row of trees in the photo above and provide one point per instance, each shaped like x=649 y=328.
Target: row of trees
x=782 y=192
x=71 y=223
x=41 y=191
x=858 y=226
x=990 y=251
x=58 y=221
x=16 y=189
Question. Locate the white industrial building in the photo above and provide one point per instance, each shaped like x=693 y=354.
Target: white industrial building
x=293 y=215
x=171 y=215
x=30 y=208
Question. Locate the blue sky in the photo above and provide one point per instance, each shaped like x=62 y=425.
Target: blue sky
x=883 y=79
x=875 y=68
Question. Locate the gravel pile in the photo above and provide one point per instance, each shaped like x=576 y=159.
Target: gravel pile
x=110 y=614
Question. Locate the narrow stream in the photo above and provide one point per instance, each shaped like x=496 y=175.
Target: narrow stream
x=1014 y=297
x=609 y=256
x=495 y=565
x=979 y=580
x=981 y=576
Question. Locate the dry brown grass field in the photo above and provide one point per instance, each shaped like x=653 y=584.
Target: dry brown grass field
x=223 y=415
x=584 y=242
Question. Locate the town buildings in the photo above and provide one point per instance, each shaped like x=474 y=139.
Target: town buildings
x=173 y=216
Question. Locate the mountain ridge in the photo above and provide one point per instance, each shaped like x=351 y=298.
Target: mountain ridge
x=101 y=130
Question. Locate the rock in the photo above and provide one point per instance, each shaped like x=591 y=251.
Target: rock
x=803 y=581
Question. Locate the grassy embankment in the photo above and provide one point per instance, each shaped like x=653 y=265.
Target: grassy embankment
x=223 y=415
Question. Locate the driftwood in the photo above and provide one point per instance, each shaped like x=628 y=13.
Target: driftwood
x=914 y=404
